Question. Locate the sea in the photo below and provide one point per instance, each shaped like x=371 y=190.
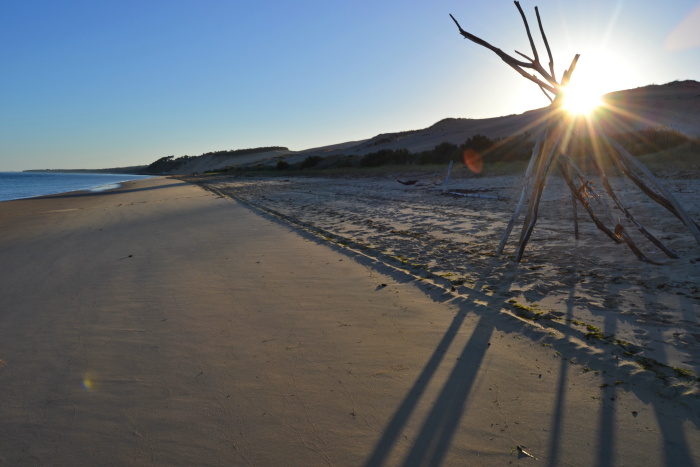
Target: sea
x=19 y=185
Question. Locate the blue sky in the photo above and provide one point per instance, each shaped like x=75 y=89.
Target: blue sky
x=88 y=84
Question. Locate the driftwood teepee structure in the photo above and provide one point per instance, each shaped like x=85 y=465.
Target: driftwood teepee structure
x=552 y=146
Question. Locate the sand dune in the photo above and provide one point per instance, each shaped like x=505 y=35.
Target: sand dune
x=674 y=105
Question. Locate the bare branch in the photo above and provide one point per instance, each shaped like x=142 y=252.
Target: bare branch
x=504 y=56
x=546 y=44
x=511 y=61
x=567 y=74
x=548 y=83
x=524 y=56
x=536 y=62
x=547 y=95
x=534 y=79
x=527 y=29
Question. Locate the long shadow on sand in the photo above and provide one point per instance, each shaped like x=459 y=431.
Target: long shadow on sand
x=434 y=438
x=433 y=441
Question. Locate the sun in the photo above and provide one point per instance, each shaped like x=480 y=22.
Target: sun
x=580 y=99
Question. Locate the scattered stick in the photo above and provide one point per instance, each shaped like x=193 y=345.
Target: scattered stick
x=472 y=195
x=449 y=172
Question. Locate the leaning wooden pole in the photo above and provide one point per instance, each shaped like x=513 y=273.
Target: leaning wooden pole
x=534 y=205
x=666 y=199
x=526 y=192
x=630 y=217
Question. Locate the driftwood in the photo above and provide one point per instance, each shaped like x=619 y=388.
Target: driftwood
x=472 y=195
x=524 y=193
x=449 y=172
x=551 y=147
x=536 y=196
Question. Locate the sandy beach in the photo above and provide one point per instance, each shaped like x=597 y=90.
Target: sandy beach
x=332 y=321
x=436 y=232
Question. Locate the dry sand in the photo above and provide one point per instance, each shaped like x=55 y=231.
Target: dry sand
x=161 y=324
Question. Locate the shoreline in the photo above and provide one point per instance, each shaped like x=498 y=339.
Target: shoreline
x=162 y=323
x=24 y=190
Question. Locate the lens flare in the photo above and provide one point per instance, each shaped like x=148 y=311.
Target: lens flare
x=473 y=160
x=88 y=383
x=686 y=35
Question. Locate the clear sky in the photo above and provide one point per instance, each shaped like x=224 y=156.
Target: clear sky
x=94 y=84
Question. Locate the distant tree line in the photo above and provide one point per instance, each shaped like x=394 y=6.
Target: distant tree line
x=443 y=153
x=244 y=152
x=499 y=150
x=489 y=150
x=638 y=143
x=519 y=148
x=650 y=140
x=170 y=163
